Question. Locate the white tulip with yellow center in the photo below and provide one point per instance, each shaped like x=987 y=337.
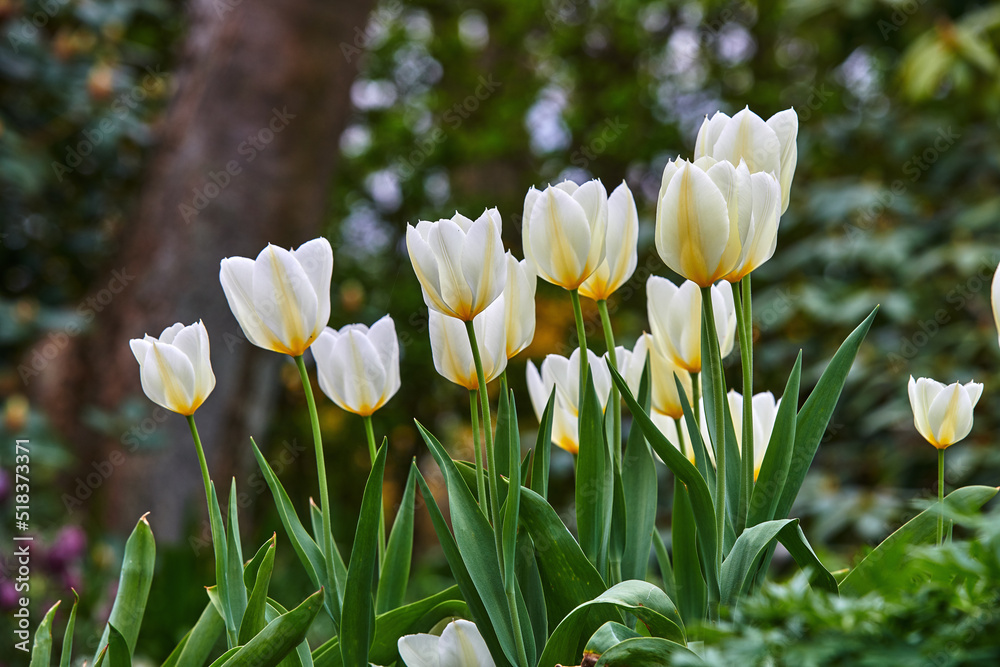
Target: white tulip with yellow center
x=460 y=645
x=564 y=375
x=765 y=410
x=358 y=367
x=943 y=413
x=176 y=369
x=767 y=147
x=675 y=319
x=564 y=231
x=519 y=304
x=621 y=247
x=282 y=298
x=761 y=237
x=452 y=351
x=459 y=262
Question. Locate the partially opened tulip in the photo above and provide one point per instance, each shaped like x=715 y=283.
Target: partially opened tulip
x=675 y=319
x=460 y=645
x=175 y=369
x=358 y=367
x=768 y=147
x=564 y=231
x=459 y=262
x=943 y=415
x=281 y=299
x=519 y=305
x=452 y=351
x=562 y=373
x=621 y=253
x=664 y=373
x=765 y=410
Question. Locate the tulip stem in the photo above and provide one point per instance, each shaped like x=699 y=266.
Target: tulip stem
x=581 y=335
x=681 y=440
x=696 y=398
x=940 y=526
x=370 y=433
x=616 y=401
x=324 y=491
x=206 y=478
x=715 y=368
x=484 y=401
x=744 y=329
x=480 y=478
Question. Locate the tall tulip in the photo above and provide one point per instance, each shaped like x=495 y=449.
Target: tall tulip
x=460 y=645
x=562 y=373
x=621 y=253
x=675 y=319
x=459 y=262
x=452 y=351
x=943 y=415
x=519 y=305
x=358 y=367
x=281 y=299
x=765 y=147
x=564 y=231
x=175 y=369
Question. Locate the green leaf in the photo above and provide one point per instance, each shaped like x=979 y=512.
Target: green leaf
x=640 y=489
x=133 y=586
x=529 y=580
x=701 y=498
x=890 y=556
x=99 y=661
x=512 y=443
x=279 y=637
x=301 y=656
x=252 y=567
x=506 y=426
x=67 y=646
x=222 y=659
x=396 y=569
x=235 y=592
x=666 y=571
x=608 y=635
x=594 y=481
x=646 y=652
x=118 y=651
x=543 y=450
x=358 y=625
x=689 y=582
x=196 y=646
x=41 y=649
x=812 y=419
x=643 y=600
x=254 y=618
x=309 y=553
x=220 y=549
x=774 y=468
x=738 y=568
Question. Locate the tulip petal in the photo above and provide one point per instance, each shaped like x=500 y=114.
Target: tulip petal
x=383 y=336
x=447 y=240
x=559 y=238
x=538 y=390
x=451 y=350
x=708 y=134
x=316 y=259
x=461 y=645
x=140 y=348
x=483 y=261
x=785 y=125
x=285 y=299
x=168 y=378
x=950 y=415
x=193 y=342
x=236 y=276
x=419 y=650
x=621 y=253
x=425 y=266
x=746 y=136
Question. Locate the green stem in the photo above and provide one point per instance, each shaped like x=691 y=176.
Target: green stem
x=480 y=477
x=696 y=398
x=616 y=401
x=715 y=368
x=201 y=461
x=324 y=491
x=581 y=335
x=681 y=440
x=940 y=531
x=744 y=328
x=484 y=401
x=372 y=452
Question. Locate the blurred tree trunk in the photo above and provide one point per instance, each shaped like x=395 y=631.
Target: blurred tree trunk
x=245 y=157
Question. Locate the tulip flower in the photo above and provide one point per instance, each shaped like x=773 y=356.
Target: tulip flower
x=765 y=410
x=358 y=367
x=519 y=305
x=621 y=253
x=665 y=398
x=175 y=369
x=668 y=427
x=762 y=235
x=452 y=351
x=281 y=299
x=765 y=147
x=564 y=375
x=459 y=263
x=995 y=298
x=564 y=231
x=675 y=318
x=460 y=645
x=631 y=363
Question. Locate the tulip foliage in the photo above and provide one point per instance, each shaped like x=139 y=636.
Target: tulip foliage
x=533 y=590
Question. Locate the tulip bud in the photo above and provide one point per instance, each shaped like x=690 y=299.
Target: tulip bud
x=943 y=414
x=564 y=375
x=453 y=354
x=519 y=305
x=765 y=147
x=621 y=253
x=675 y=319
x=459 y=262
x=564 y=231
x=176 y=368
x=358 y=367
x=460 y=645
x=282 y=298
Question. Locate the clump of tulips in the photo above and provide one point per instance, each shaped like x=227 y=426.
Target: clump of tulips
x=529 y=590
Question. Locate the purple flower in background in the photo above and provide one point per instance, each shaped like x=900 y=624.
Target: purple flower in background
x=67 y=548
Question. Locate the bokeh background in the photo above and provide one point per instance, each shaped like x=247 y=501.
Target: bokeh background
x=141 y=142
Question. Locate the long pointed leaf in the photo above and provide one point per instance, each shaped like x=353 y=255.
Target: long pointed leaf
x=396 y=569
x=196 y=646
x=118 y=651
x=279 y=637
x=646 y=652
x=543 y=449
x=67 y=646
x=41 y=649
x=689 y=582
x=638 y=478
x=235 y=592
x=254 y=618
x=594 y=480
x=133 y=586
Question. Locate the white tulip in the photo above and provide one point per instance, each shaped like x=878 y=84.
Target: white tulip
x=564 y=375
x=762 y=236
x=765 y=147
x=665 y=398
x=995 y=298
x=519 y=304
x=176 y=368
x=675 y=319
x=764 y=410
x=943 y=414
x=460 y=645
x=564 y=230
x=668 y=427
x=621 y=247
x=452 y=351
x=459 y=262
x=281 y=299
x=358 y=367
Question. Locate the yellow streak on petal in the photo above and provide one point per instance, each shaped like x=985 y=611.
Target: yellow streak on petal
x=298 y=341
x=172 y=390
